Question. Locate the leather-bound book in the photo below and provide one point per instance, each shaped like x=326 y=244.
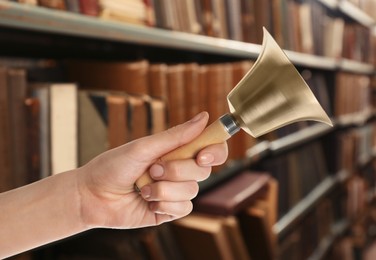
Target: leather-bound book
x=137 y=118
x=118 y=133
x=201 y=236
x=234 y=195
x=6 y=174
x=216 y=92
x=257 y=232
x=248 y=21
x=17 y=93
x=202 y=89
x=191 y=79
x=176 y=94
x=32 y=107
x=158 y=81
x=157 y=116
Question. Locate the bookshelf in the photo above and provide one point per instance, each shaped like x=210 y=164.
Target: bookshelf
x=75 y=27
x=54 y=21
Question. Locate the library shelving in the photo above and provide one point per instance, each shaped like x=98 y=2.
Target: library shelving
x=35 y=32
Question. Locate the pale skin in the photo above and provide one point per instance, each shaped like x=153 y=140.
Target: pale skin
x=101 y=193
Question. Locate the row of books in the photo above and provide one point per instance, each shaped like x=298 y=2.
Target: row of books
x=293 y=23
x=354 y=148
x=314 y=227
x=58 y=126
x=187 y=88
x=49 y=128
x=352 y=94
x=298 y=172
x=316 y=232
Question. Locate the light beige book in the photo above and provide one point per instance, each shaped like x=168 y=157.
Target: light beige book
x=63 y=119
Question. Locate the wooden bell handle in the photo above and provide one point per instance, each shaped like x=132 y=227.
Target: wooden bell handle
x=215 y=133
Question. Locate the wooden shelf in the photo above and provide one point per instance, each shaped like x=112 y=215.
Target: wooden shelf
x=356 y=13
x=350 y=10
x=33 y=18
x=355 y=119
x=291 y=141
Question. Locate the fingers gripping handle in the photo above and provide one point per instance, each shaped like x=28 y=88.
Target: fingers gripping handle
x=217 y=132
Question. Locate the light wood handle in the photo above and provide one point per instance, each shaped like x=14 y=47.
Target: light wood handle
x=215 y=133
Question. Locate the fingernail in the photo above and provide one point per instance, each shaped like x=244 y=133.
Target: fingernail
x=206 y=159
x=146 y=192
x=197 y=117
x=156 y=170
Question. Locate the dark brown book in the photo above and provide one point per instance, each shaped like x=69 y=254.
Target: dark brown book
x=202 y=89
x=356 y=200
x=256 y=232
x=216 y=91
x=157 y=116
x=324 y=214
x=343 y=249
x=32 y=107
x=17 y=93
x=248 y=21
x=168 y=241
x=151 y=242
x=191 y=78
x=203 y=231
x=137 y=118
x=294 y=179
x=6 y=174
x=235 y=238
x=262 y=18
x=234 y=195
x=158 y=81
x=118 y=133
x=290 y=247
x=176 y=90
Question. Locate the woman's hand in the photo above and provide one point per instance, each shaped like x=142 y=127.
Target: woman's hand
x=106 y=184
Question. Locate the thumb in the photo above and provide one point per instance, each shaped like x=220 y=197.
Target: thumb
x=166 y=141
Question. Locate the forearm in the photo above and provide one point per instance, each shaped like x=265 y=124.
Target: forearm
x=39 y=213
